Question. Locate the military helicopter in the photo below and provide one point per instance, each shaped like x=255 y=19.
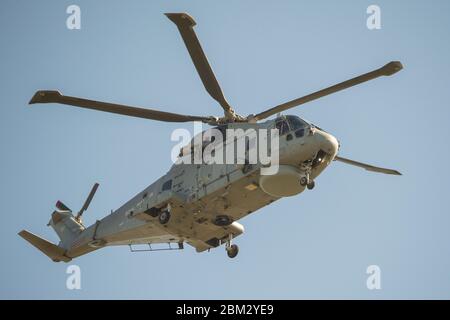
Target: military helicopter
x=200 y=204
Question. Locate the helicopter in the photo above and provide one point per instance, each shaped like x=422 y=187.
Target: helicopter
x=200 y=203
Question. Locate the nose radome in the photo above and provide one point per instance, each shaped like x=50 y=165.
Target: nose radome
x=329 y=144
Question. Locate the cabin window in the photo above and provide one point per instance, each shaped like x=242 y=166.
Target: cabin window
x=300 y=133
x=167 y=185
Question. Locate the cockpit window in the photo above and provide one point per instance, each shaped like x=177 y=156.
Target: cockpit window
x=296 y=122
x=282 y=126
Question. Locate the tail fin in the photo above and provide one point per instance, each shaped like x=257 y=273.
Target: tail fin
x=66 y=225
x=53 y=251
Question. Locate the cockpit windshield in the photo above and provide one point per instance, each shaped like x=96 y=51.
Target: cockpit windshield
x=282 y=125
x=295 y=122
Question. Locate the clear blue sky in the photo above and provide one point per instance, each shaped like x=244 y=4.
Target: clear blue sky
x=316 y=245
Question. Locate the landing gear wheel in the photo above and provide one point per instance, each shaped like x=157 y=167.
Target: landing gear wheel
x=311 y=185
x=153 y=212
x=232 y=251
x=304 y=181
x=223 y=220
x=164 y=217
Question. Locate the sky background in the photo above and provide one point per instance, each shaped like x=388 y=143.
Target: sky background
x=315 y=245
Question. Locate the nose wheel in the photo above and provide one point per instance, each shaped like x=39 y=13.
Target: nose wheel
x=232 y=249
x=305 y=181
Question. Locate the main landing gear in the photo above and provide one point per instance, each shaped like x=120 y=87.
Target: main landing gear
x=232 y=249
x=164 y=216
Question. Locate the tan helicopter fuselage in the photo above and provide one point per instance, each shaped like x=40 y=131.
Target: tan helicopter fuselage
x=197 y=193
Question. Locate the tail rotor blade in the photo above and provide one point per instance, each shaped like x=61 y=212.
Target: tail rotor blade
x=88 y=200
x=61 y=206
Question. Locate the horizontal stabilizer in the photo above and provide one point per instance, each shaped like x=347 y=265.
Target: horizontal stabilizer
x=51 y=250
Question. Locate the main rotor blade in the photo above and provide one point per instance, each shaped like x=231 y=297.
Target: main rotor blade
x=368 y=167
x=185 y=24
x=387 y=70
x=48 y=96
x=88 y=200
